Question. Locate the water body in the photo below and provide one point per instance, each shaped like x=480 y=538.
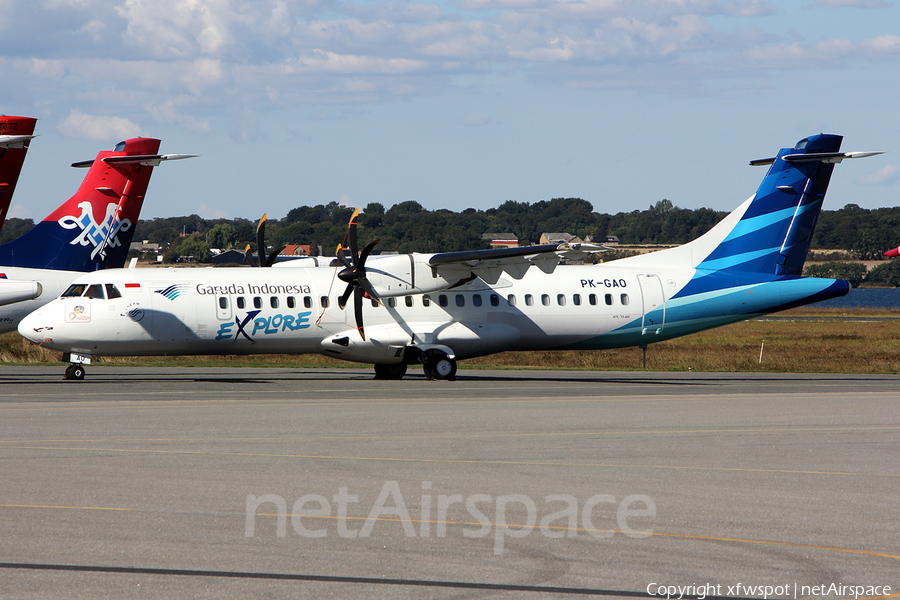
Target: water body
x=864 y=298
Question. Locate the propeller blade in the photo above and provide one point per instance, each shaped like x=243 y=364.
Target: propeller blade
x=357 y=308
x=261 y=241
x=365 y=252
x=342 y=301
x=248 y=256
x=343 y=259
x=271 y=260
x=367 y=287
x=351 y=234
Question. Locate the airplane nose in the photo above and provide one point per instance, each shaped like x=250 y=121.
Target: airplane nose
x=30 y=327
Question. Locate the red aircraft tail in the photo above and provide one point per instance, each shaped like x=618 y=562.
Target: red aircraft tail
x=93 y=229
x=15 y=134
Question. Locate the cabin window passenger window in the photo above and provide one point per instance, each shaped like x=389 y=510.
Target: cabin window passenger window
x=95 y=291
x=460 y=300
x=223 y=302
x=624 y=299
x=241 y=303
x=341 y=302
x=392 y=302
x=374 y=303
x=442 y=300
x=608 y=299
x=495 y=300
x=291 y=303
x=561 y=299
x=529 y=300
x=426 y=300
x=511 y=299
x=576 y=299
x=112 y=291
x=545 y=299
x=257 y=302
x=74 y=291
x=592 y=298
x=409 y=301
x=307 y=302
x=273 y=301
x=476 y=299
x=324 y=301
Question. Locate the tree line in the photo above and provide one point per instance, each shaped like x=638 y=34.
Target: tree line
x=408 y=227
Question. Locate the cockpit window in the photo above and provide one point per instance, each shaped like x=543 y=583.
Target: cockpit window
x=112 y=291
x=120 y=147
x=95 y=292
x=76 y=289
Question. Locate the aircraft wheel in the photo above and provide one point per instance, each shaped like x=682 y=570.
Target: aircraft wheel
x=440 y=366
x=75 y=372
x=392 y=371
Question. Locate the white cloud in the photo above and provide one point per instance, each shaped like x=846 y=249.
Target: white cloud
x=208 y=212
x=882 y=176
x=475 y=119
x=883 y=44
x=855 y=3
x=17 y=211
x=98 y=129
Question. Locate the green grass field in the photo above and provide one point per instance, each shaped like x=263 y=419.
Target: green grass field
x=825 y=345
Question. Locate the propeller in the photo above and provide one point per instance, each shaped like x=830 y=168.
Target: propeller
x=261 y=248
x=354 y=273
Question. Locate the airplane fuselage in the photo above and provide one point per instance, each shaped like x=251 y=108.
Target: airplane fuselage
x=296 y=311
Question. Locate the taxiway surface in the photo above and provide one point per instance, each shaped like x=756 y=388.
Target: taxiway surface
x=212 y=483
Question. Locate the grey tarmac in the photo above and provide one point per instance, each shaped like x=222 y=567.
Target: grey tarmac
x=306 y=483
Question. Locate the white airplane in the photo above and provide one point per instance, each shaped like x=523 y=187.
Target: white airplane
x=435 y=309
x=90 y=231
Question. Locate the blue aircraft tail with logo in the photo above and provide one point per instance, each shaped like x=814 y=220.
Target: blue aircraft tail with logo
x=751 y=262
x=771 y=233
x=94 y=228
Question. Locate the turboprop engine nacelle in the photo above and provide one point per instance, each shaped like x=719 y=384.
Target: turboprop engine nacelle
x=403 y=274
x=17 y=291
x=383 y=345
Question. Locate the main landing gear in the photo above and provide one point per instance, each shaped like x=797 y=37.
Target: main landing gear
x=436 y=364
x=75 y=372
x=392 y=371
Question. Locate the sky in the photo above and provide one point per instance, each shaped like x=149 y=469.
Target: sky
x=453 y=104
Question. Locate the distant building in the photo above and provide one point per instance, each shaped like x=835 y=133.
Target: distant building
x=608 y=240
x=560 y=238
x=296 y=250
x=144 y=247
x=501 y=240
x=229 y=257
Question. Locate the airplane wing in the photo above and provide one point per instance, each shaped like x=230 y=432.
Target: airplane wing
x=491 y=264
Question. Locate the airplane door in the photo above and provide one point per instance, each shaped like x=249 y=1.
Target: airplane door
x=654 y=304
x=223 y=308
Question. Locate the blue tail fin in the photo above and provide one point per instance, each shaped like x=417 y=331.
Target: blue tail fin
x=773 y=232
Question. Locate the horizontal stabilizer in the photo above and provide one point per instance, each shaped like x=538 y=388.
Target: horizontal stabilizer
x=15 y=141
x=825 y=157
x=149 y=160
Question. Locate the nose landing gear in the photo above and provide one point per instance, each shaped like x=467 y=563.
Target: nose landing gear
x=75 y=372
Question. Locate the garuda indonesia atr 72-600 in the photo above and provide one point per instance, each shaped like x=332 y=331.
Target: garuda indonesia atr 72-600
x=435 y=309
